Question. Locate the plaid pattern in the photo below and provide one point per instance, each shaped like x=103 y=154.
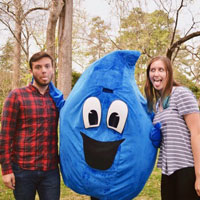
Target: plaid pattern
x=29 y=131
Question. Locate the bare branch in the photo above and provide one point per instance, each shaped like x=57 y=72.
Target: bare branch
x=87 y=39
x=37 y=42
x=176 y=22
x=176 y=53
x=7 y=12
x=81 y=65
x=27 y=37
x=192 y=52
x=12 y=32
x=118 y=47
x=33 y=9
x=181 y=41
x=145 y=52
x=163 y=6
x=192 y=26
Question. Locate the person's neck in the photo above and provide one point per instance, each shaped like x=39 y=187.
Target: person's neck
x=41 y=89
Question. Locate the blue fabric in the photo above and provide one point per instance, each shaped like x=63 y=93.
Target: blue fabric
x=57 y=96
x=155 y=135
x=97 y=157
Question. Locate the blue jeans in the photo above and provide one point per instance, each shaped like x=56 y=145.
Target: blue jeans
x=27 y=182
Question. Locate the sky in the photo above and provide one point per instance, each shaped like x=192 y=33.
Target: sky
x=102 y=9
x=97 y=8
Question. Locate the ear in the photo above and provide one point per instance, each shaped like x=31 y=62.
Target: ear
x=53 y=70
x=32 y=80
x=31 y=71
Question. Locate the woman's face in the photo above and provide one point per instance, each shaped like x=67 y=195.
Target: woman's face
x=158 y=75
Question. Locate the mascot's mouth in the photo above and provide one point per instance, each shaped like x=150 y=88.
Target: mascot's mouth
x=99 y=155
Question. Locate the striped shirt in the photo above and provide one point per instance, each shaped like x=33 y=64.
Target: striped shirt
x=175 y=150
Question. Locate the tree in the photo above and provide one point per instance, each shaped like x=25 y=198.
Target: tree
x=7 y=53
x=98 y=42
x=147 y=32
x=15 y=12
x=121 y=8
x=17 y=45
x=175 y=42
x=174 y=9
x=75 y=77
x=180 y=50
x=55 y=11
x=65 y=48
x=5 y=71
x=62 y=12
x=190 y=66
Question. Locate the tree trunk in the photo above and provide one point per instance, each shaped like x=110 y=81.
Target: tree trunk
x=55 y=10
x=17 y=46
x=65 y=48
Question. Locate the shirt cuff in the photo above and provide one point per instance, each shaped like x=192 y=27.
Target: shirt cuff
x=6 y=170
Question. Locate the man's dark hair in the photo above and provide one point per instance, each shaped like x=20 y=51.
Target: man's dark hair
x=37 y=56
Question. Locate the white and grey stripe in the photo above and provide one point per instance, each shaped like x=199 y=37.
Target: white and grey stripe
x=175 y=151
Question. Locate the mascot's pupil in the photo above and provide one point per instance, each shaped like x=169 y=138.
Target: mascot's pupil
x=114 y=120
x=93 y=117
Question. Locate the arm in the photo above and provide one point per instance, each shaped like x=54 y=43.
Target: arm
x=155 y=135
x=8 y=126
x=56 y=95
x=9 y=180
x=193 y=122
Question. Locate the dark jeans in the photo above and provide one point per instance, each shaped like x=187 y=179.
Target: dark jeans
x=27 y=182
x=179 y=185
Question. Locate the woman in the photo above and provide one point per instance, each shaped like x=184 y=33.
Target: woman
x=177 y=110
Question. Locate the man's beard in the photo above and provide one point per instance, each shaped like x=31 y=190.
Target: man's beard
x=39 y=83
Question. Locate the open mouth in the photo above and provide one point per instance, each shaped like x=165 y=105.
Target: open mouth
x=157 y=82
x=99 y=155
x=44 y=78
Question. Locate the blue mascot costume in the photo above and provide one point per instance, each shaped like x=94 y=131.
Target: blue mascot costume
x=106 y=149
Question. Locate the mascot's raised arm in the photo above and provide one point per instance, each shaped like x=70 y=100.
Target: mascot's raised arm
x=106 y=133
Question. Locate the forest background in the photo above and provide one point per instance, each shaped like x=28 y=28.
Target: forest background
x=75 y=39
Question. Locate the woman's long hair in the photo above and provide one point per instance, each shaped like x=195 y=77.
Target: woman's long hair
x=151 y=93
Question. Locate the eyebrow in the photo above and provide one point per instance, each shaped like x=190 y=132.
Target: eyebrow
x=38 y=65
x=107 y=90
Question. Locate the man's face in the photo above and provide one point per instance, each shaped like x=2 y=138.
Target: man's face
x=42 y=71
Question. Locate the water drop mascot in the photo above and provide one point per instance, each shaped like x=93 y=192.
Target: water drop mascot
x=108 y=144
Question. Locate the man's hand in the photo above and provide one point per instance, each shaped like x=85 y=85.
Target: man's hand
x=9 y=180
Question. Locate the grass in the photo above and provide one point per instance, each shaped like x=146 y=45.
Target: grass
x=151 y=191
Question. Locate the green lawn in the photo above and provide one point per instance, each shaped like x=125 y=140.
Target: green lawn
x=151 y=190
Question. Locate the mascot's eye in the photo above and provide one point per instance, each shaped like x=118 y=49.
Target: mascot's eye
x=91 y=112
x=117 y=114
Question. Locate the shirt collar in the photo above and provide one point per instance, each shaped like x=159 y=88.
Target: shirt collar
x=34 y=89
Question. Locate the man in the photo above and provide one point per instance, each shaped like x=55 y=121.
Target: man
x=28 y=138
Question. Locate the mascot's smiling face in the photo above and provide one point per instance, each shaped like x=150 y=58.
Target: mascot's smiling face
x=98 y=154
x=105 y=149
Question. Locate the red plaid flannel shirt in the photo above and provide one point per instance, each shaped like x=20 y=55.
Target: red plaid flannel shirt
x=29 y=131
